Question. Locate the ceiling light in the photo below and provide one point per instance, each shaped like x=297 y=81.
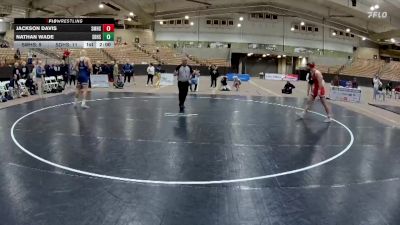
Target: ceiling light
x=239 y=25
x=302 y=23
x=363 y=38
x=334 y=33
x=241 y=18
x=186 y=17
x=268 y=54
x=300 y=57
x=392 y=40
x=101 y=5
x=372 y=8
x=376 y=6
x=292 y=29
x=129 y=19
x=264 y=55
x=279 y=56
x=161 y=22
x=1 y=19
x=348 y=30
x=249 y=54
x=191 y=23
x=131 y=14
x=284 y=56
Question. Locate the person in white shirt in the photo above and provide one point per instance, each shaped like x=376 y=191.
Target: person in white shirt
x=150 y=74
x=377 y=83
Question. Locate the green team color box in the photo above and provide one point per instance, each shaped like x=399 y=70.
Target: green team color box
x=108 y=36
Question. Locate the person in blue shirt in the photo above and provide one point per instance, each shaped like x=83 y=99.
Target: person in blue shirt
x=127 y=70
x=83 y=66
x=39 y=77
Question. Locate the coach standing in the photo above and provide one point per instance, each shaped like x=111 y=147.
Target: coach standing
x=184 y=73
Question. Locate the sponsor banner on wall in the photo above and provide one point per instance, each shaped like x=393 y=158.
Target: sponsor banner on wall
x=99 y=81
x=345 y=94
x=167 y=79
x=277 y=76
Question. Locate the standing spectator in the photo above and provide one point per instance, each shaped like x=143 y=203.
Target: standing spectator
x=17 y=54
x=389 y=88
x=310 y=83
x=335 y=82
x=104 y=69
x=51 y=71
x=354 y=83
x=111 y=71
x=30 y=56
x=214 y=74
x=72 y=73
x=158 y=75
x=66 y=54
x=184 y=73
x=127 y=70
x=16 y=71
x=24 y=71
x=377 y=83
x=150 y=74
x=116 y=72
x=64 y=72
x=57 y=71
x=39 y=80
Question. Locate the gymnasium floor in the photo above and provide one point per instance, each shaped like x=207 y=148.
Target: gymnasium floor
x=241 y=158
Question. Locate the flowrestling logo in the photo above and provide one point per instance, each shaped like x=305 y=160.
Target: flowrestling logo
x=377 y=15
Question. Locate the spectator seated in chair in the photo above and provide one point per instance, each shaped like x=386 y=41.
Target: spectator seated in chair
x=288 y=88
x=30 y=85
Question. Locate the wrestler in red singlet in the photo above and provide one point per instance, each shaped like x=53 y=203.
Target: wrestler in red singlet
x=318 y=91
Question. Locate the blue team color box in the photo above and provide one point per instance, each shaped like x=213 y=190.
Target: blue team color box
x=242 y=77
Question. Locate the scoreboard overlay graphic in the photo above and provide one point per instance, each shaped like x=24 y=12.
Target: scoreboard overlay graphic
x=64 y=33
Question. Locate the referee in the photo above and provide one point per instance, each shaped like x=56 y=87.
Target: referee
x=184 y=73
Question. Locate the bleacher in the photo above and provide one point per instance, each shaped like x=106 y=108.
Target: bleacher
x=7 y=55
x=166 y=56
x=94 y=54
x=391 y=71
x=131 y=53
x=363 y=68
x=329 y=69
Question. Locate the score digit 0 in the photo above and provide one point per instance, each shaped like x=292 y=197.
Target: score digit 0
x=108 y=36
x=108 y=27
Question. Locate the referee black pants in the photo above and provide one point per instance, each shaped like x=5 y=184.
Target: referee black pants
x=183 y=87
